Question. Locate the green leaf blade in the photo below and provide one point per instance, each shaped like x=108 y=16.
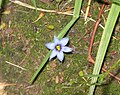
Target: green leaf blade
x=107 y=33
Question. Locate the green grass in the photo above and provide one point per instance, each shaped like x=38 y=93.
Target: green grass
x=107 y=33
x=26 y=41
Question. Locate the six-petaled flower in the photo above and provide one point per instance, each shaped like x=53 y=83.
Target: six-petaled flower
x=58 y=47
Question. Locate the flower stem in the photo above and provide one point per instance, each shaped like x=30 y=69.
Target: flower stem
x=76 y=14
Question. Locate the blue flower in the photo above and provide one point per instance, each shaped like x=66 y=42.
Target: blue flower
x=58 y=47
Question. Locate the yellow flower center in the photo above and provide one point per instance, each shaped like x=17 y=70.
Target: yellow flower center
x=58 y=47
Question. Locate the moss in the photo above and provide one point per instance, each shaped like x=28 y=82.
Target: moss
x=26 y=47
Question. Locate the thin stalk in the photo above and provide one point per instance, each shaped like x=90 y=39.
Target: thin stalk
x=107 y=33
x=76 y=14
x=0 y=4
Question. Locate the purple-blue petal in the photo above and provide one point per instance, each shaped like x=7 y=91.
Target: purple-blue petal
x=56 y=40
x=64 y=41
x=66 y=49
x=50 y=45
x=60 y=56
x=53 y=54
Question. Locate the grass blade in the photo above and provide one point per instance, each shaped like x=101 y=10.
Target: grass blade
x=110 y=24
x=76 y=14
x=34 y=3
x=0 y=4
x=116 y=1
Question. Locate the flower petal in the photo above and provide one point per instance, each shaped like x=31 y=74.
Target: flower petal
x=50 y=45
x=64 y=41
x=60 y=56
x=56 y=40
x=66 y=49
x=53 y=54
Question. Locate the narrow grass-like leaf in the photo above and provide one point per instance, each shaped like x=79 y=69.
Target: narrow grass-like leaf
x=116 y=64
x=116 y=2
x=102 y=76
x=34 y=3
x=0 y=4
x=76 y=14
x=110 y=24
